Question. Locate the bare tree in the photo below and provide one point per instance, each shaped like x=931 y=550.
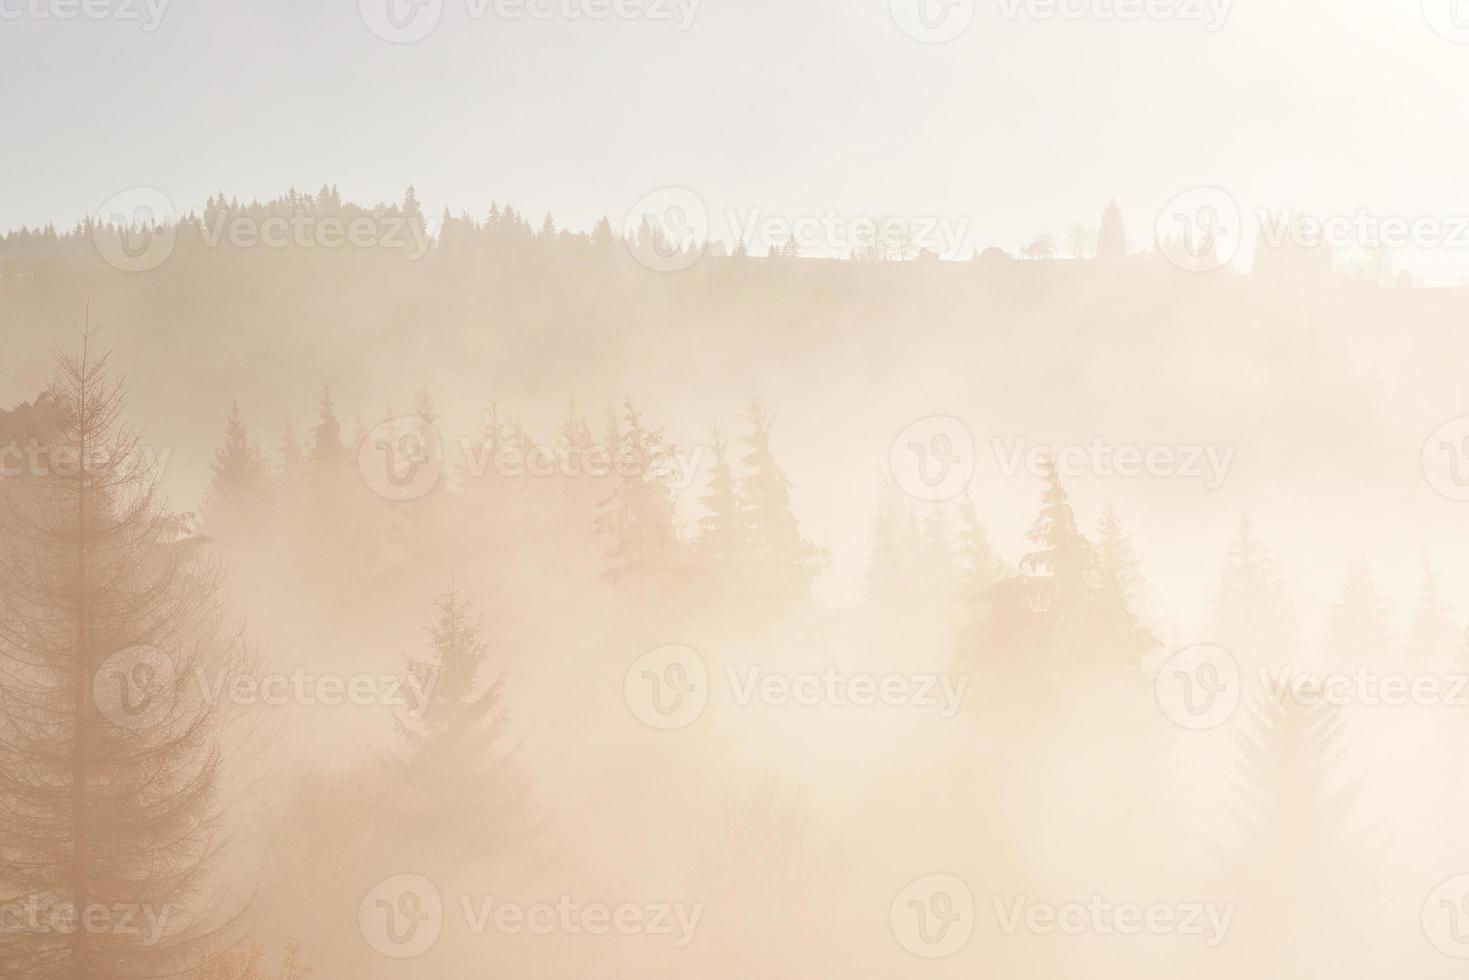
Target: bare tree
x=1081 y=241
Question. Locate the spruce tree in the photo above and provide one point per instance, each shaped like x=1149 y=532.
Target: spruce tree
x=1251 y=614
x=328 y=452
x=720 y=546
x=1111 y=238
x=1063 y=562
x=461 y=788
x=782 y=562
x=890 y=538
x=1302 y=865
x=1118 y=629
x=238 y=492
x=110 y=749
x=1359 y=627
x=1432 y=634
x=979 y=568
x=638 y=515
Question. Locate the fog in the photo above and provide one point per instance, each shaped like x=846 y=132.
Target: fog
x=733 y=576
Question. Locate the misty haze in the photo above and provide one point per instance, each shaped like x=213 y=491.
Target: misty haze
x=707 y=489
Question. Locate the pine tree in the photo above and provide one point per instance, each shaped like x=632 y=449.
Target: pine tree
x=110 y=751
x=638 y=514
x=1063 y=555
x=1431 y=634
x=412 y=210
x=721 y=546
x=1118 y=628
x=603 y=237
x=1041 y=621
x=891 y=536
x=1359 y=626
x=1301 y=865
x=462 y=790
x=237 y=497
x=1111 y=238
x=290 y=464
x=934 y=560
x=576 y=434
x=782 y=562
x=328 y=453
x=1251 y=614
x=978 y=566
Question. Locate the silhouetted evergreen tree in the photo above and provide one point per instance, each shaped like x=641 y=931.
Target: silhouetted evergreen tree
x=1359 y=626
x=721 y=544
x=110 y=749
x=1303 y=868
x=1432 y=636
x=782 y=562
x=1251 y=613
x=462 y=793
x=638 y=515
x=239 y=489
x=1111 y=238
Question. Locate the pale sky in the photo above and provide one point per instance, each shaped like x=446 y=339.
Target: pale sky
x=1021 y=124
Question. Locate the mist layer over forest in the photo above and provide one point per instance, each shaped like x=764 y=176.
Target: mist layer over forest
x=519 y=605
